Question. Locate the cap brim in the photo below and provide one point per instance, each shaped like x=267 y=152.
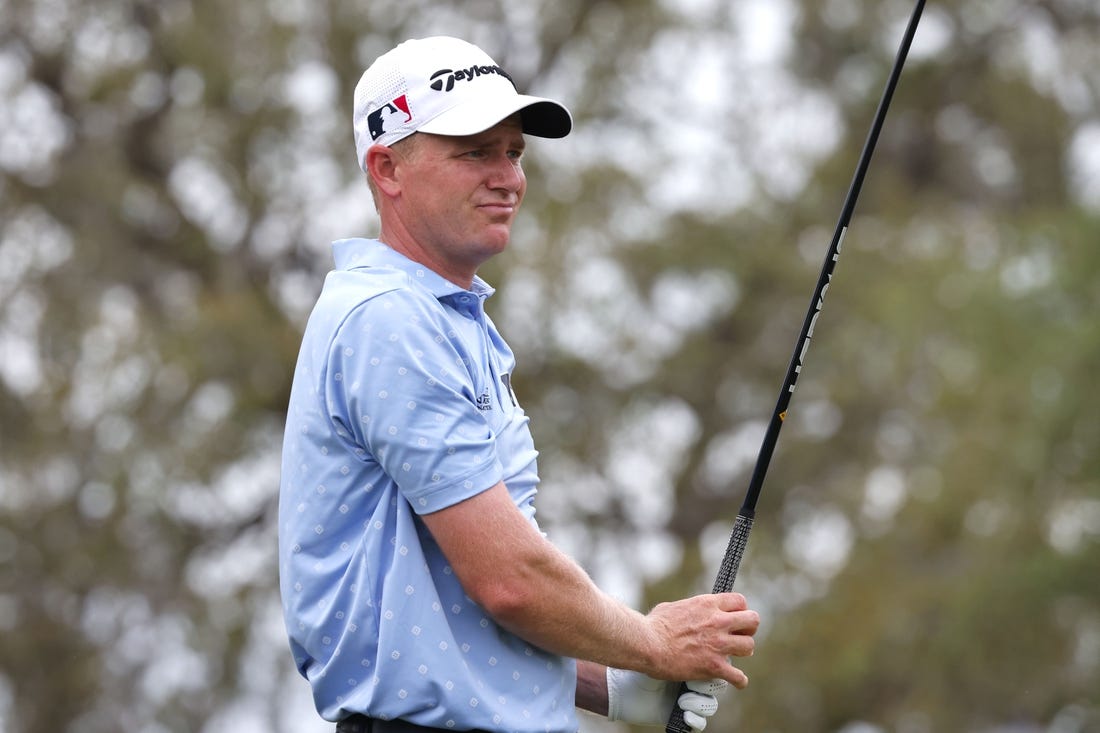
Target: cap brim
x=540 y=117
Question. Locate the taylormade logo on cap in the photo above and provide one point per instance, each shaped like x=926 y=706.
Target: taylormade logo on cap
x=444 y=79
x=443 y=86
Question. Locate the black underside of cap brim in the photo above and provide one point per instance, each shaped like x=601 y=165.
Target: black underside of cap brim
x=546 y=119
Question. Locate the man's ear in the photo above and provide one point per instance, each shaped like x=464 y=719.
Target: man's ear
x=382 y=168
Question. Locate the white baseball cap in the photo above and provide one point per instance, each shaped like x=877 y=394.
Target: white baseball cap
x=443 y=86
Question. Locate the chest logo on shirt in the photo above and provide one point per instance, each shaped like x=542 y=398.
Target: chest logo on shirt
x=485 y=402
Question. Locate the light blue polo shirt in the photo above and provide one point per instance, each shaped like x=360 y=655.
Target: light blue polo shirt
x=401 y=405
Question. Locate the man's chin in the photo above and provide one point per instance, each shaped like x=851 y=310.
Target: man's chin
x=497 y=237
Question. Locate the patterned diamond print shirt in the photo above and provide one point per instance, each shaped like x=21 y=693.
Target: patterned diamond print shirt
x=401 y=405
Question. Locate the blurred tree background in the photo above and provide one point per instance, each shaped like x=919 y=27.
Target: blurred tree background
x=927 y=552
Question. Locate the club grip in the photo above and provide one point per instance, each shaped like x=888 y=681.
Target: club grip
x=723 y=583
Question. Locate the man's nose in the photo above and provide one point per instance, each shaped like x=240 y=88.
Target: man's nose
x=507 y=174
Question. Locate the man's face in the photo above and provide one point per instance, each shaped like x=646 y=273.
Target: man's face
x=459 y=195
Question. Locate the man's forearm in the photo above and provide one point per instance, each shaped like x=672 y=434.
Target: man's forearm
x=561 y=610
x=537 y=592
x=533 y=589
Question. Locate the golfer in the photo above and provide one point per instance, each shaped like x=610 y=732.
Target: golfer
x=418 y=591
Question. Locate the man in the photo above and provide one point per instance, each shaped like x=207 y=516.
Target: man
x=418 y=591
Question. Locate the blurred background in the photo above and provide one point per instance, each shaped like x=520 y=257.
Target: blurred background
x=927 y=548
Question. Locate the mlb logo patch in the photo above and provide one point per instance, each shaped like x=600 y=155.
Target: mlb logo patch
x=389 y=117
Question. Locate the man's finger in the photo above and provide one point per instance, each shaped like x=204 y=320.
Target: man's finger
x=694 y=702
x=713 y=687
x=695 y=722
x=731 y=601
x=744 y=622
x=737 y=678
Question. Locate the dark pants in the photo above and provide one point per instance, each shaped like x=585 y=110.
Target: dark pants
x=363 y=724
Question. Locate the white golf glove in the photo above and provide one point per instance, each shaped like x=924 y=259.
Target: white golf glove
x=633 y=697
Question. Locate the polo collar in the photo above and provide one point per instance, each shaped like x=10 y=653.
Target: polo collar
x=350 y=254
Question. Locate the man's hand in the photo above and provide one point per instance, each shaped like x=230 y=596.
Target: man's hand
x=696 y=637
x=633 y=697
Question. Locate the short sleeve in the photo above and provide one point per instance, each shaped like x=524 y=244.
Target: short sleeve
x=398 y=383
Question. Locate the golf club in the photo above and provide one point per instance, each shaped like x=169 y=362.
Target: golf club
x=727 y=572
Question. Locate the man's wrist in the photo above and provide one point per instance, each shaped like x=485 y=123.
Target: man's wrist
x=592 y=693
